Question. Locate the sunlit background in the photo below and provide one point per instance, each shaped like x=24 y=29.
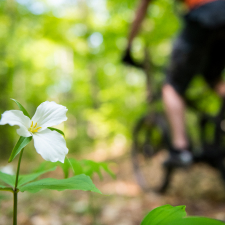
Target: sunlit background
x=69 y=51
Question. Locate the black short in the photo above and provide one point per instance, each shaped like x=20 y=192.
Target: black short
x=199 y=49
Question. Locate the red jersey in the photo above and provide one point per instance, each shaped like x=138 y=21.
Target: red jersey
x=195 y=3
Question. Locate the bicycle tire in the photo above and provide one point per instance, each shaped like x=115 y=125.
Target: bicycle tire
x=213 y=149
x=148 y=153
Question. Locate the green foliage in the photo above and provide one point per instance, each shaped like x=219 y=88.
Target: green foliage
x=197 y=221
x=90 y=167
x=21 y=108
x=57 y=130
x=22 y=143
x=65 y=167
x=87 y=167
x=164 y=215
x=169 y=215
x=80 y=182
x=23 y=179
x=8 y=179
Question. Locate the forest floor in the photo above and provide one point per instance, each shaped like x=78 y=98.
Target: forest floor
x=122 y=202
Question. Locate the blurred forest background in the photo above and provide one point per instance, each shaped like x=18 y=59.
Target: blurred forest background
x=69 y=51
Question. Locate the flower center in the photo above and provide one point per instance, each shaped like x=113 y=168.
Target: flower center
x=33 y=128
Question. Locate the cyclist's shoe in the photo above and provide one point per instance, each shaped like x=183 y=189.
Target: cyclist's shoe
x=179 y=158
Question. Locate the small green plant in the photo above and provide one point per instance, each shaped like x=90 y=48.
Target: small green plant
x=169 y=215
x=49 y=143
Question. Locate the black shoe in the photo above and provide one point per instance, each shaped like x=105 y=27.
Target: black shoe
x=179 y=158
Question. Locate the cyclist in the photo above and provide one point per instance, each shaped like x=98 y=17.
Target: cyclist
x=199 y=48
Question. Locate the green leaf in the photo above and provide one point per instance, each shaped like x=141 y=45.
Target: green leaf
x=21 y=108
x=87 y=167
x=8 y=179
x=65 y=167
x=22 y=142
x=80 y=182
x=196 y=221
x=59 y=131
x=29 y=177
x=92 y=167
x=4 y=188
x=76 y=165
x=164 y=215
x=105 y=166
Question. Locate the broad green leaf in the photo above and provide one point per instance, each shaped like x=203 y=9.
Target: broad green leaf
x=196 y=221
x=21 y=108
x=29 y=177
x=80 y=182
x=164 y=215
x=1 y=186
x=22 y=142
x=59 y=131
x=8 y=179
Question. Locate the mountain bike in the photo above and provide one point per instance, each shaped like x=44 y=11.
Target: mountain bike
x=152 y=141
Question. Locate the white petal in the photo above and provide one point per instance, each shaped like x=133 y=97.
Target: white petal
x=16 y=117
x=50 y=145
x=49 y=114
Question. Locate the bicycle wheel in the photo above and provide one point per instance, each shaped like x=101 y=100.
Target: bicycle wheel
x=213 y=141
x=150 y=137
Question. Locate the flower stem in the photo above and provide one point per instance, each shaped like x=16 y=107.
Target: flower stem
x=15 y=190
x=15 y=208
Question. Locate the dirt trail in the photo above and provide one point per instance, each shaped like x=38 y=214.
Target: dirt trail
x=122 y=203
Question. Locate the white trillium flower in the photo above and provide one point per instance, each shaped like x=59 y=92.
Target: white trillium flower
x=48 y=143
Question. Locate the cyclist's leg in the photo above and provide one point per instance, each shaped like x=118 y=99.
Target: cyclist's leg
x=186 y=60
x=175 y=110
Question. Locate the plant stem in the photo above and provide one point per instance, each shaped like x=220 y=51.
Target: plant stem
x=18 y=169
x=15 y=191
x=15 y=208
